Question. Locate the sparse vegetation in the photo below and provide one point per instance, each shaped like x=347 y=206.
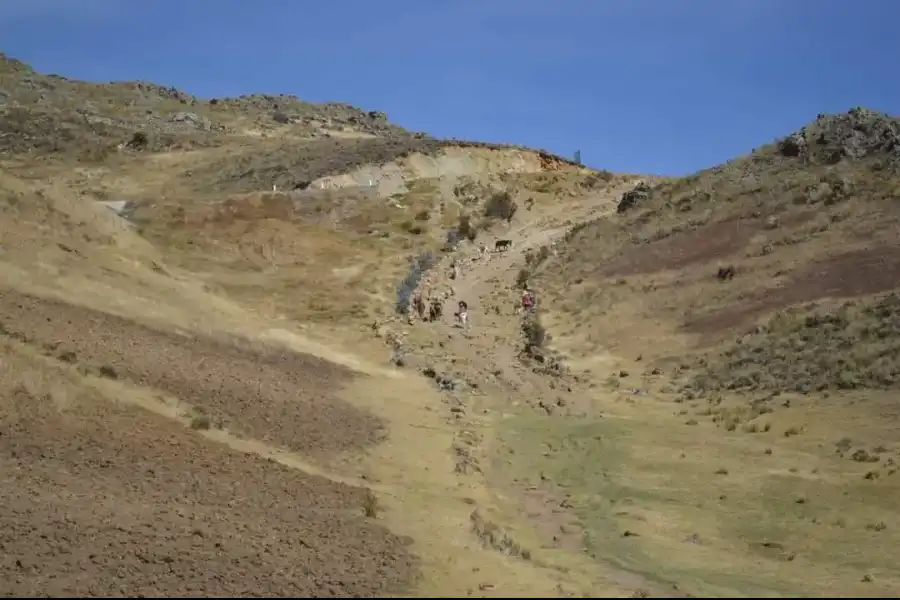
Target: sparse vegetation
x=138 y=141
x=412 y=227
x=495 y=537
x=811 y=349
x=534 y=332
x=739 y=471
x=500 y=206
x=465 y=229
x=201 y=421
x=371 y=506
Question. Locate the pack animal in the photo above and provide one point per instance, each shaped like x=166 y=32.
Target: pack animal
x=502 y=245
x=725 y=273
x=435 y=311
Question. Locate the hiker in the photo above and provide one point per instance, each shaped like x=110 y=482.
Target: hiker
x=454 y=270
x=463 y=315
x=527 y=300
x=435 y=310
x=419 y=305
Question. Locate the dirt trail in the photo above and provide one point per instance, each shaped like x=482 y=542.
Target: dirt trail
x=495 y=381
x=430 y=472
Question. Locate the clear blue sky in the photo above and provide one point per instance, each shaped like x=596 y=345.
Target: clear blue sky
x=659 y=86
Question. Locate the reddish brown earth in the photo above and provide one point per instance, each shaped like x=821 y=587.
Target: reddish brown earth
x=846 y=275
x=105 y=499
x=716 y=240
x=275 y=396
x=102 y=499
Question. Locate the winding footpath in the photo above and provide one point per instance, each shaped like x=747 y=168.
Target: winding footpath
x=482 y=381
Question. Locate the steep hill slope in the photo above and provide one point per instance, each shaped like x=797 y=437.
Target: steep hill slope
x=743 y=324
x=203 y=319
x=235 y=189
x=185 y=376
x=810 y=217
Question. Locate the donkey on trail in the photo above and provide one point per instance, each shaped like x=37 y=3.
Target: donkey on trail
x=502 y=245
x=436 y=310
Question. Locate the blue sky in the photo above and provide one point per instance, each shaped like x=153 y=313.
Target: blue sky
x=649 y=86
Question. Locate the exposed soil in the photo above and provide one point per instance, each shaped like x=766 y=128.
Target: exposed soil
x=296 y=165
x=847 y=275
x=97 y=502
x=276 y=396
x=680 y=250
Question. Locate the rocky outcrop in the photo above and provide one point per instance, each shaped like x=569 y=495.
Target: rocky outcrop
x=637 y=195
x=853 y=135
x=449 y=163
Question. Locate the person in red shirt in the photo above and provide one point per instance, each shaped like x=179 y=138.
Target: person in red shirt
x=527 y=299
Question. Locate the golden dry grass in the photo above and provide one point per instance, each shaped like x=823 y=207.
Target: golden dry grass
x=58 y=243
x=68 y=248
x=647 y=475
x=744 y=455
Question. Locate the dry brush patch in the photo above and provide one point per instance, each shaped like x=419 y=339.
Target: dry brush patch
x=811 y=349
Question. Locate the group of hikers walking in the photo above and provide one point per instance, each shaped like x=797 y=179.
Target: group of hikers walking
x=431 y=308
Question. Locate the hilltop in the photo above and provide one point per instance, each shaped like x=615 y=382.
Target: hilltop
x=226 y=186
x=54 y=114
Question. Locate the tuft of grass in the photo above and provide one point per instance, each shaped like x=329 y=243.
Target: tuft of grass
x=500 y=206
x=201 y=421
x=371 y=506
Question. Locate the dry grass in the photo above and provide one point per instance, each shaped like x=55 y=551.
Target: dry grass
x=128 y=276
x=794 y=230
x=760 y=468
x=685 y=504
x=746 y=446
x=855 y=345
x=140 y=315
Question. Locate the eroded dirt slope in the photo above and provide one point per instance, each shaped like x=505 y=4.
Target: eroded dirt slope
x=278 y=396
x=117 y=429
x=105 y=499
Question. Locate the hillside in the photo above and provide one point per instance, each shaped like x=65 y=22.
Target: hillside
x=189 y=370
x=214 y=383
x=750 y=310
x=196 y=176
x=810 y=217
